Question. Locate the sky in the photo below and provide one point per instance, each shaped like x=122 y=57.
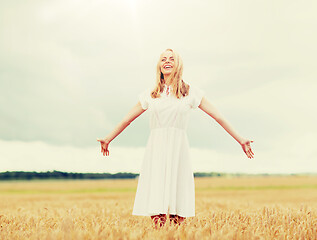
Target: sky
x=70 y=71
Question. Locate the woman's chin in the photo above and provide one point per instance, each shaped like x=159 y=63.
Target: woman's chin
x=167 y=72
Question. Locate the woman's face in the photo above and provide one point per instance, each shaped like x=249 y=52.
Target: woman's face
x=167 y=62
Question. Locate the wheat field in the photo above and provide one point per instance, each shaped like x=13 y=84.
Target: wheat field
x=226 y=208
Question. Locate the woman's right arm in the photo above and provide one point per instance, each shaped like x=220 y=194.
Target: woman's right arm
x=136 y=111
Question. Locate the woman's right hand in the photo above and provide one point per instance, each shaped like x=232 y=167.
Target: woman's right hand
x=104 y=146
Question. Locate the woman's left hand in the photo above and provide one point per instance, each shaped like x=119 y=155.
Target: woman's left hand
x=246 y=146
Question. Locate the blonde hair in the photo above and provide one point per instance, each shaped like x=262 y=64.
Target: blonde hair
x=179 y=87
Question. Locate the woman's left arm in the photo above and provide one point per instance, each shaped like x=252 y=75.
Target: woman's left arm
x=212 y=111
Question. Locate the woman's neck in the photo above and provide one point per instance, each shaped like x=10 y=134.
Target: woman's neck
x=167 y=83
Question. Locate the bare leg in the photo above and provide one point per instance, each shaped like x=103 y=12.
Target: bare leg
x=159 y=220
x=176 y=219
x=180 y=219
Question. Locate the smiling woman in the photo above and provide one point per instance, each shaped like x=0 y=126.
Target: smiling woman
x=166 y=181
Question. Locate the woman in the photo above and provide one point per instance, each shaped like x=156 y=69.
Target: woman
x=166 y=180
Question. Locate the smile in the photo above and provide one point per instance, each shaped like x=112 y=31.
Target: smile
x=167 y=66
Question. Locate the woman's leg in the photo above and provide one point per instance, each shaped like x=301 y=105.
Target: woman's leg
x=176 y=219
x=180 y=219
x=159 y=219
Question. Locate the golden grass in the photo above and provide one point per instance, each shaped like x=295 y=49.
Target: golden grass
x=226 y=208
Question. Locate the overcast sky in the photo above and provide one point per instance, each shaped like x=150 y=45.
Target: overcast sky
x=70 y=70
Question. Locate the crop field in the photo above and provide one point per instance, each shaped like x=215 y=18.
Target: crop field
x=226 y=208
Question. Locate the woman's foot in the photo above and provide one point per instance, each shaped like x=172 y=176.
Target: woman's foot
x=159 y=220
x=176 y=219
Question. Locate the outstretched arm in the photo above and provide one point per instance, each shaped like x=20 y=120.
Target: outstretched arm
x=136 y=111
x=212 y=111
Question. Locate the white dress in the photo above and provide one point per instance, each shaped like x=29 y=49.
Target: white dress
x=166 y=180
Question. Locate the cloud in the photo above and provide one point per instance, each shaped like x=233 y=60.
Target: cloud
x=71 y=70
x=40 y=156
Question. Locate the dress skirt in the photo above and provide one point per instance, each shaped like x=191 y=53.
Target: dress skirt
x=166 y=180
